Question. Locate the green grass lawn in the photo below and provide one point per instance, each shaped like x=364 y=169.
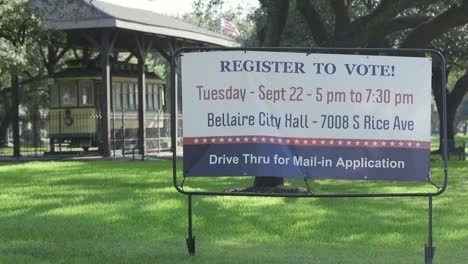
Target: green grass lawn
x=458 y=139
x=129 y=212
x=9 y=150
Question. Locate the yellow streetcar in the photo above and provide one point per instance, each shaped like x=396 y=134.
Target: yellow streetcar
x=74 y=98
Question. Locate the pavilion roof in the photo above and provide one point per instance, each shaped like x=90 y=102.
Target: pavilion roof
x=94 y=14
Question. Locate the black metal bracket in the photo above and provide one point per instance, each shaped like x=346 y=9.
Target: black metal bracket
x=429 y=254
x=190 y=239
x=429 y=250
x=191 y=246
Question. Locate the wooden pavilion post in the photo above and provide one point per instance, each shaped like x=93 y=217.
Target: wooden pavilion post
x=105 y=50
x=172 y=45
x=105 y=46
x=143 y=48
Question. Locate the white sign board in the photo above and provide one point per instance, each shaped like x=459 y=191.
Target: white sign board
x=317 y=116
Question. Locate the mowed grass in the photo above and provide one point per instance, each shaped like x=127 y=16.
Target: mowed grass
x=10 y=150
x=129 y=212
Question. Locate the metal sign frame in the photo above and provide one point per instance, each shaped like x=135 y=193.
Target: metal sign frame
x=429 y=249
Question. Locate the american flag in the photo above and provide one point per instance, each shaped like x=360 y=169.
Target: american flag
x=230 y=27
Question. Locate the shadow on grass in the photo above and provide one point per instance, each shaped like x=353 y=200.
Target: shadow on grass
x=121 y=212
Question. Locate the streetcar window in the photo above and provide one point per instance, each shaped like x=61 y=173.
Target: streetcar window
x=137 y=102
x=118 y=96
x=149 y=97
x=125 y=95
x=161 y=96
x=156 y=97
x=54 y=96
x=131 y=96
x=69 y=94
x=113 y=96
x=86 y=92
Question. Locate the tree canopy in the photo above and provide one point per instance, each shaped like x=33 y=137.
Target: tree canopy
x=22 y=58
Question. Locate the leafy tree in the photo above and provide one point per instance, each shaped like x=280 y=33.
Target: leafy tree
x=158 y=65
x=207 y=15
x=5 y=106
x=16 y=29
x=22 y=35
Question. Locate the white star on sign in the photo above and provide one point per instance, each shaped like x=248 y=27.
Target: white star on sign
x=195 y=141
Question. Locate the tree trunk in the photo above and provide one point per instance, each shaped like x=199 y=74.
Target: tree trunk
x=277 y=16
x=453 y=102
x=268 y=181
x=276 y=21
x=3 y=131
x=15 y=113
x=437 y=92
x=36 y=132
x=5 y=123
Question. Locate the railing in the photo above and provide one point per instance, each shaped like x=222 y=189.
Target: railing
x=77 y=132
x=33 y=140
x=124 y=135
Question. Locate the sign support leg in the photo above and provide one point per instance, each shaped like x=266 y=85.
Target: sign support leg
x=429 y=249
x=191 y=239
